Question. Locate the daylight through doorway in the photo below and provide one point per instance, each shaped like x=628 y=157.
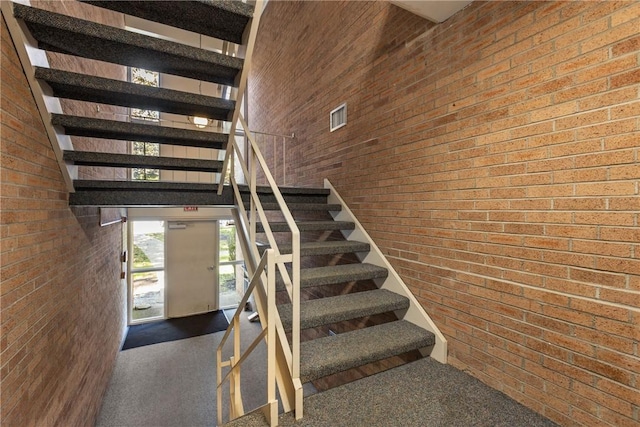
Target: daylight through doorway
x=147 y=271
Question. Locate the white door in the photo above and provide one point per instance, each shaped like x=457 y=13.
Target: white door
x=191 y=267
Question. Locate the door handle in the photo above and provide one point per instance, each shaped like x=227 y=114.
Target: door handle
x=211 y=268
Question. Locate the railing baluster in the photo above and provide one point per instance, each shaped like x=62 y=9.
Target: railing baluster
x=272 y=259
x=271 y=336
x=219 y=383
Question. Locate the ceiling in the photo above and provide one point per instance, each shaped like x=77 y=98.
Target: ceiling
x=433 y=10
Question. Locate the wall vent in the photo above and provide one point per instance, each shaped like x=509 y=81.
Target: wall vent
x=338 y=117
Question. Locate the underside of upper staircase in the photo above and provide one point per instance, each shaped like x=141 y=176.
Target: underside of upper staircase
x=226 y=21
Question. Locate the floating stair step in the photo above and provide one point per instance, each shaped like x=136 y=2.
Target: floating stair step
x=82 y=87
x=309 y=226
x=288 y=191
x=329 y=355
x=89 y=185
x=320 y=276
x=145 y=193
x=126 y=131
x=323 y=248
x=300 y=206
x=60 y=33
x=224 y=20
x=315 y=196
x=324 y=311
x=87 y=158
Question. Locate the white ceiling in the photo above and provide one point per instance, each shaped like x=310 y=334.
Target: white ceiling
x=433 y=10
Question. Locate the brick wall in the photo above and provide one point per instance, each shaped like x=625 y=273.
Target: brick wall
x=495 y=159
x=61 y=298
x=88 y=66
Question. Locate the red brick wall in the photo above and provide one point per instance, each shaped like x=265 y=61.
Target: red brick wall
x=61 y=298
x=495 y=159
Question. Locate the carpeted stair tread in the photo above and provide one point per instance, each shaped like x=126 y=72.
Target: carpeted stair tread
x=329 y=355
x=149 y=197
x=127 y=131
x=87 y=184
x=306 y=191
x=329 y=275
x=64 y=34
x=148 y=193
x=301 y=206
x=301 y=197
x=224 y=20
x=66 y=84
x=324 y=248
x=309 y=226
x=87 y=158
x=324 y=311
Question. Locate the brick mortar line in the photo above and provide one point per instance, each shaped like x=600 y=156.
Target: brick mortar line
x=523 y=285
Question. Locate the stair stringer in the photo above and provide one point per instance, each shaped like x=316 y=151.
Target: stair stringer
x=31 y=57
x=415 y=313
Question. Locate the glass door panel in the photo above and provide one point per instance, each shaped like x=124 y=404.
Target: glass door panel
x=230 y=266
x=147 y=271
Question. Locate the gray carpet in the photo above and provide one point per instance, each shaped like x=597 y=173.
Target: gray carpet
x=173 y=384
x=424 y=393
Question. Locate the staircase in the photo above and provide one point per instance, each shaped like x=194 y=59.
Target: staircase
x=357 y=316
x=342 y=310
x=340 y=293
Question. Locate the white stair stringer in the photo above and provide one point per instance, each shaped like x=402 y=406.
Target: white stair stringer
x=415 y=313
x=31 y=57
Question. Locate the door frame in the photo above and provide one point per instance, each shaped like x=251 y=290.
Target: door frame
x=167 y=214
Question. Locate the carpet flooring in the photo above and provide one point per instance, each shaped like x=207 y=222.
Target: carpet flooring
x=423 y=393
x=175 y=329
x=173 y=384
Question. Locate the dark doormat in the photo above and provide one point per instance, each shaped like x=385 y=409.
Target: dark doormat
x=175 y=329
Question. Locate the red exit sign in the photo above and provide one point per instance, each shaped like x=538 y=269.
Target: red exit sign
x=190 y=208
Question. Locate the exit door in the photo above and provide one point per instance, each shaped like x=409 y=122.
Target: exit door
x=191 y=267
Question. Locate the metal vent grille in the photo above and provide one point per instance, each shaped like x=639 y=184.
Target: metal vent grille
x=338 y=117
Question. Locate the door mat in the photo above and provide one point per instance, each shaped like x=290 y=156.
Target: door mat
x=175 y=329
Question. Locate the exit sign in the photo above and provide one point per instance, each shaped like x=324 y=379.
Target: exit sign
x=190 y=208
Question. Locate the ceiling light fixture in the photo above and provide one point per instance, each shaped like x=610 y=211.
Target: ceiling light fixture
x=199 y=122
